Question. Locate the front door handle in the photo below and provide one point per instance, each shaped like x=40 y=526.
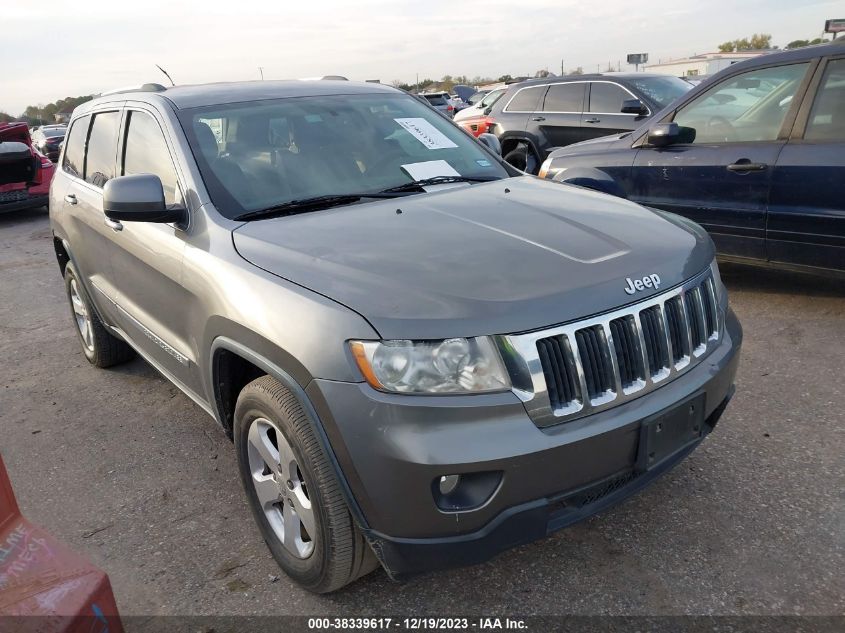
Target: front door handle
x=743 y=165
x=70 y=198
x=114 y=225
x=593 y=120
x=538 y=118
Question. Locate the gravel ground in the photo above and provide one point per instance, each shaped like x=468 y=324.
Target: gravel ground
x=128 y=471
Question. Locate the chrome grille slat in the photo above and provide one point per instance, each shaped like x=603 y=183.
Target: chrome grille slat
x=576 y=369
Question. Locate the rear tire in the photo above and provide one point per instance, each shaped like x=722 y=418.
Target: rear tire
x=293 y=492
x=100 y=346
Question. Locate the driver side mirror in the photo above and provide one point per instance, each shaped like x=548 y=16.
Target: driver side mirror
x=664 y=134
x=492 y=142
x=633 y=106
x=138 y=198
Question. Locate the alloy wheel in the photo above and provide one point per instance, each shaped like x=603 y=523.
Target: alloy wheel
x=280 y=487
x=83 y=318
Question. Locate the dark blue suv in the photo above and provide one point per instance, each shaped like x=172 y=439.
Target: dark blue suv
x=756 y=155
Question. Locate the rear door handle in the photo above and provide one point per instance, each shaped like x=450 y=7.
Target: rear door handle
x=593 y=120
x=114 y=225
x=744 y=165
x=538 y=118
x=70 y=198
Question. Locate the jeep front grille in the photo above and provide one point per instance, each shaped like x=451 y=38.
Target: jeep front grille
x=590 y=365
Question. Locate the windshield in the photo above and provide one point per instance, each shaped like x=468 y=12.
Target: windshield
x=492 y=97
x=52 y=132
x=262 y=154
x=661 y=90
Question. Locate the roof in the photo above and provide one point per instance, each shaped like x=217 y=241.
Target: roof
x=234 y=92
x=591 y=77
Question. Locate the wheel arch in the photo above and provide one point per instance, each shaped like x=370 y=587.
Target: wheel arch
x=591 y=178
x=247 y=361
x=62 y=253
x=511 y=142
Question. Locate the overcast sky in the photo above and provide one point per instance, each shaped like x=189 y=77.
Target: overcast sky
x=51 y=49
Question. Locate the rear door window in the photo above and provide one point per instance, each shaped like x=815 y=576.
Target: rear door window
x=526 y=100
x=145 y=152
x=565 y=98
x=75 y=147
x=607 y=98
x=827 y=118
x=102 y=148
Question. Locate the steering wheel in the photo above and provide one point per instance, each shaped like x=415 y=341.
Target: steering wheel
x=719 y=128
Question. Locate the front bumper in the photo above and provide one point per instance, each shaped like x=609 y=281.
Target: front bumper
x=393 y=448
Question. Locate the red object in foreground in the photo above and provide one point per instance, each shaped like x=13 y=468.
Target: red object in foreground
x=41 y=578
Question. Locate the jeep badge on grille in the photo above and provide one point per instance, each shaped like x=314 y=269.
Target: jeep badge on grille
x=635 y=285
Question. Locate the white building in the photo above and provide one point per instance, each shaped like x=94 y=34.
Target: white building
x=704 y=64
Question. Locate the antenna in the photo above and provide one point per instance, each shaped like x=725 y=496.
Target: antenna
x=165 y=74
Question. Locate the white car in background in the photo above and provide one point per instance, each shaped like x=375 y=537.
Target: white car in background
x=477 y=109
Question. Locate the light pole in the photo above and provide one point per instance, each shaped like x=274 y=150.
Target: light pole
x=261 y=70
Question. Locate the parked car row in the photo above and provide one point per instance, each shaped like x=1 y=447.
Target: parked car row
x=756 y=155
x=533 y=118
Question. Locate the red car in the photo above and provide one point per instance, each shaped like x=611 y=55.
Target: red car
x=25 y=173
x=476 y=125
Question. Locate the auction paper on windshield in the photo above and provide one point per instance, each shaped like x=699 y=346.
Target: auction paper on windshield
x=426 y=133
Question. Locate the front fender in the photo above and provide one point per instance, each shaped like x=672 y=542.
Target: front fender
x=591 y=178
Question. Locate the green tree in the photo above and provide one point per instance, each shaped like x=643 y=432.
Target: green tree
x=5 y=117
x=761 y=41
x=803 y=43
x=504 y=78
x=42 y=114
x=758 y=41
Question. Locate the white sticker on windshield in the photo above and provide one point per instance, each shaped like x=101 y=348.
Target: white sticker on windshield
x=429 y=169
x=426 y=133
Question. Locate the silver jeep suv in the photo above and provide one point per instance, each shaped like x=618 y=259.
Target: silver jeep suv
x=422 y=355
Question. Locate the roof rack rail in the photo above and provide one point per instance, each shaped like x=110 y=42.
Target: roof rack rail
x=141 y=88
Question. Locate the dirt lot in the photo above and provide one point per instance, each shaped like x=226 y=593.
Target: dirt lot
x=124 y=468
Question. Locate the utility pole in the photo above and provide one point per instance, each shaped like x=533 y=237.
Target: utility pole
x=261 y=70
x=418 y=82
x=561 y=67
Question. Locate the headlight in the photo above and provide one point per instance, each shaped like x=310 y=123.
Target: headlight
x=544 y=168
x=455 y=365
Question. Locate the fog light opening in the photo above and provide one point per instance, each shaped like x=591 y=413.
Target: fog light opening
x=467 y=491
x=448 y=483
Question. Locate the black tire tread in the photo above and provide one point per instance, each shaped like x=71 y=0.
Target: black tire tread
x=109 y=350
x=349 y=556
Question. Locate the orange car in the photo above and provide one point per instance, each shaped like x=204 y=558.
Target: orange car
x=477 y=125
x=25 y=173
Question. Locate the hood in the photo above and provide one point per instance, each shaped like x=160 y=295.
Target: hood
x=492 y=258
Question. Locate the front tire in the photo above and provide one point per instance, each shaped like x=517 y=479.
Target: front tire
x=100 y=346
x=293 y=492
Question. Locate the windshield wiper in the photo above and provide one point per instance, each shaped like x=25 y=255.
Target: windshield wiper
x=311 y=204
x=437 y=180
